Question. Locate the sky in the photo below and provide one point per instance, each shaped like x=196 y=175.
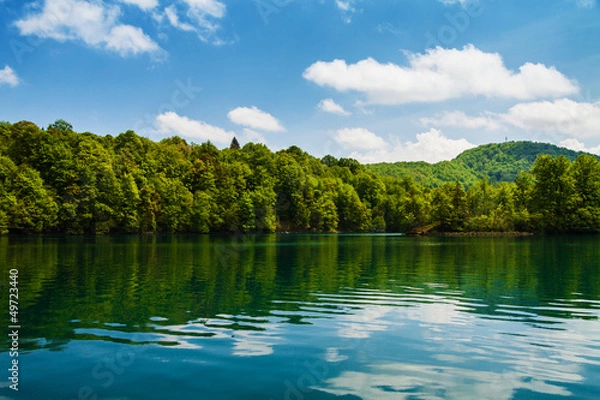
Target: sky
x=386 y=80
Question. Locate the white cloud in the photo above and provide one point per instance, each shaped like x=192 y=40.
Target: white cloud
x=213 y=8
x=95 y=24
x=439 y=75
x=330 y=106
x=145 y=5
x=170 y=123
x=201 y=16
x=129 y=40
x=347 y=8
x=8 y=77
x=171 y=13
x=359 y=139
x=576 y=145
x=488 y=121
x=431 y=146
x=255 y=118
x=343 y=5
x=562 y=116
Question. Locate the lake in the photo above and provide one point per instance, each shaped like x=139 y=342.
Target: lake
x=304 y=317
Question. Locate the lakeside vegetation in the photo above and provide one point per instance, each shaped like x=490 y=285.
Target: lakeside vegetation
x=55 y=180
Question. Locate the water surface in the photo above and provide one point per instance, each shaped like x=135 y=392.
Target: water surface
x=305 y=317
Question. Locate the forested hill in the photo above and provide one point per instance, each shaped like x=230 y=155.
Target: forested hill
x=55 y=180
x=498 y=162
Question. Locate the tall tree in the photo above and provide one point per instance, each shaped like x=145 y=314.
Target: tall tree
x=553 y=195
x=586 y=173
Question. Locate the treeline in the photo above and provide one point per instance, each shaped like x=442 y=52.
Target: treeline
x=498 y=162
x=55 y=180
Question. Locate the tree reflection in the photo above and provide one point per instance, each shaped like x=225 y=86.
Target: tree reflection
x=84 y=282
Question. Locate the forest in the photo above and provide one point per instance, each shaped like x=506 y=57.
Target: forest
x=55 y=180
x=498 y=162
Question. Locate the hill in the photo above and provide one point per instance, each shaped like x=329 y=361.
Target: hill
x=499 y=162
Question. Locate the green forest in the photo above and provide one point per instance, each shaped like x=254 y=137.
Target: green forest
x=55 y=180
x=498 y=162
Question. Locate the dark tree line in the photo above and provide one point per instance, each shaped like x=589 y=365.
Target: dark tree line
x=55 y=180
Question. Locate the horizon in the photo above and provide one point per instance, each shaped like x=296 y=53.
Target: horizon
x=400 y=81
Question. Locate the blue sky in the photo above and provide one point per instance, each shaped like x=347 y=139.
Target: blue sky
x=386 y=80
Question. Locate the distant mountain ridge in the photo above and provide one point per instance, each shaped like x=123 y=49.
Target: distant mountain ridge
x=499 y=162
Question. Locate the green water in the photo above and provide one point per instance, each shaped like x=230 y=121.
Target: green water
x=303 y=317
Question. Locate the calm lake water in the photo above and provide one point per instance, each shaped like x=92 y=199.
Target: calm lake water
x=304 y=317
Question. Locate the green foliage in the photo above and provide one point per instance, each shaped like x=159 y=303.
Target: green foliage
x=553 y=195
x=175 y=204
x=449 y=205
x=57 y=180
x=497 y=162
x=61 y=125
x=25 y=204
x=586 y=176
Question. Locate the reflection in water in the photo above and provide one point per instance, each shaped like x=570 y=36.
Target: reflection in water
x=389 y=316
x=405 y=381
x=470 y=357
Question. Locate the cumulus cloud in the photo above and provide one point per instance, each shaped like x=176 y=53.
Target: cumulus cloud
x=439 y=75
x=576 y=145
x=431 y=146
x=129 y=40
x=330 y=106
x=561 y=116
x=359 y=139
x=170 y=123
x=96 y=24
x=255 y=118
x=8 y=77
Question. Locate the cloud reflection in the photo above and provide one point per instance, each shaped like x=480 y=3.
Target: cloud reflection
x=404 y=381
x=465 y=355
x=251 y=344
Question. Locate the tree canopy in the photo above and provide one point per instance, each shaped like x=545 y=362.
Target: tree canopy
x=498 y=162
x=55 y=180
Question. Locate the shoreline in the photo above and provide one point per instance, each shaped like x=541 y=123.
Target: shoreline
x=282 y=233
x=481 y=234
